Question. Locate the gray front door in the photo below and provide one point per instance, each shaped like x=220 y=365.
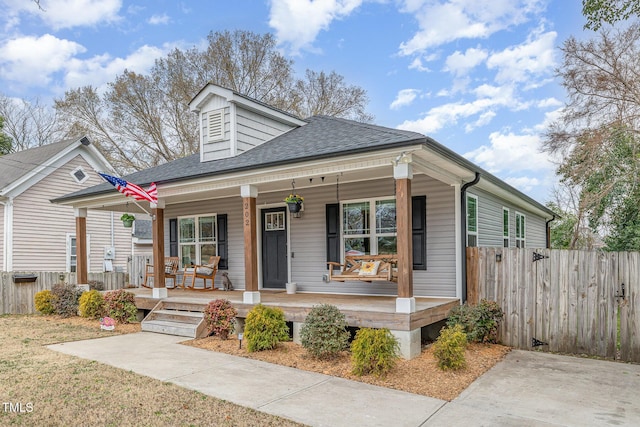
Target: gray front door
x=274 y=248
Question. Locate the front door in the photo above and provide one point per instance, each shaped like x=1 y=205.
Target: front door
x=274 y=248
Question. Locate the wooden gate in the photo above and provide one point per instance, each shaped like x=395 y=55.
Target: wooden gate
x=562 y=301
x=137 y=268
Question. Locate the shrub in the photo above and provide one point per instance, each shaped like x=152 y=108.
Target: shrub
x=374 y=351
x=92 y=304
x=324 y=332
x=264 y=328
x=449 y=348
x=43 y=302
x=97 y=285
x=120 y=305
x=65 y=300
x=220 y=317
x=479 y=322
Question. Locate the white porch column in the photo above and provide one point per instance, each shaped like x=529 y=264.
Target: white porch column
x=157 y=224
x=249 y=195
x=458 y=238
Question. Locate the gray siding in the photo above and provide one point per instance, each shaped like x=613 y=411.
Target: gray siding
x=254 y=129
x=40 y=227
x=217 y=149
x=308 y=239
x=490 y=222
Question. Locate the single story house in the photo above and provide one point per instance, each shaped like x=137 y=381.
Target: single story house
x=36 y=235
x=367 y=190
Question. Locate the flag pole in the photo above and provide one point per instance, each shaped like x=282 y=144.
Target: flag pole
x=143 y=209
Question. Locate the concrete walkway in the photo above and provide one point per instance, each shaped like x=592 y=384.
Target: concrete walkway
x=526 y=389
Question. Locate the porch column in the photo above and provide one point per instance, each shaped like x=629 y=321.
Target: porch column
x=249 y=194
x=403 y=173
x=157 y=217
x=81 y=246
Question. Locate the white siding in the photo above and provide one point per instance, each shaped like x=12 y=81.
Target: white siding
x=308 y=235
x=490 y=222
x=41 y=227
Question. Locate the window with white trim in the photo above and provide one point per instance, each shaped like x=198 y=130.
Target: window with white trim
x=79 y=175
x=505 y=226
x=520 y=230
x=197 y=239
x=72 y=253
x=72 y=257
x=215 y=125
x=472 y=220
x=369 y=227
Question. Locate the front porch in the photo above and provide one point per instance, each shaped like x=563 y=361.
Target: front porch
x=360 y=310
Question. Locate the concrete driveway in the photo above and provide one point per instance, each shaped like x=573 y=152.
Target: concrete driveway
x=526 y=389
x=540 y=389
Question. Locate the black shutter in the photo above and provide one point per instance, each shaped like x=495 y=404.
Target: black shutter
x=223 y=247
x=333 y=232
x=173 y=237
x=419 y=231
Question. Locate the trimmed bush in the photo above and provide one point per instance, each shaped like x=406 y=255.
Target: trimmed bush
x=220 y=318
x=449 y=348
x=91 y=304
x=43 y=302
x=120 y=305
x=374 y=351
x=324 y=332
x=264 y=328
x=65 y=300
x=479 y=322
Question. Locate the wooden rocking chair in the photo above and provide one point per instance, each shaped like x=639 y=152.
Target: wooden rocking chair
x=170 y=271
x=204 y=272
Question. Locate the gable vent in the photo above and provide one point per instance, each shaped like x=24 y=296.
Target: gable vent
x=215 y=125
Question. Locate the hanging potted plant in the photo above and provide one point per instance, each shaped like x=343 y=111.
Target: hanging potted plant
x=294 y=201
x=127 y=220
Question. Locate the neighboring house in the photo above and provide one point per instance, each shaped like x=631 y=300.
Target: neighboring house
x=366 y=189
x=37 y=235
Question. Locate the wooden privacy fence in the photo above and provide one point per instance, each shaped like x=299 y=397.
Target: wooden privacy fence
x=17 y=298
x=569 y=300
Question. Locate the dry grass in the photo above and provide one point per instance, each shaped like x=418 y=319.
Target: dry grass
x=65 y=390
x=419 y=375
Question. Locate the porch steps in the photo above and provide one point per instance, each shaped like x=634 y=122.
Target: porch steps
x=176 y=318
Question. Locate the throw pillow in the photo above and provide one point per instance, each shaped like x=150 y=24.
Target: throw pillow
x=204 y=271
x=369 y=268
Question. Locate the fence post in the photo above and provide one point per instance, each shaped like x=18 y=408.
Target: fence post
x=473 y=277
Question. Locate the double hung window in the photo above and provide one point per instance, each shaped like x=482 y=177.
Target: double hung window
x=197 y=239
x=520 y=230
x=369 y=227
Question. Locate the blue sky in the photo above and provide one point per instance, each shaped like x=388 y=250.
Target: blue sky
x=477 y=76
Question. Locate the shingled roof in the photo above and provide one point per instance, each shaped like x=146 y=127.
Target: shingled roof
x=16 y=165
x=321 y=137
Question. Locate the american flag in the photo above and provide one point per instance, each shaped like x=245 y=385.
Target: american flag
x=133 y=190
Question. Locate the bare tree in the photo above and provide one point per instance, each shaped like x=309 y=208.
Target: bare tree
x=328 y=94
x=597 y=133
x=29 y=123
x=144 y=120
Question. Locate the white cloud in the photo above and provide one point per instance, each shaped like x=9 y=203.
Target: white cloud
x=443 y=22
x=405 y=97
x=535 y=57
x=512 y=153
x=98 y=70
x=159 y=19
x=461 y=63
x=79 y=13
x=32 y=60
x=298 y=22
x=523 y=183
x=59 y=14
x=489 y=98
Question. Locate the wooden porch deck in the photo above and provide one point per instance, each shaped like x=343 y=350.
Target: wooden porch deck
x=359 y=310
